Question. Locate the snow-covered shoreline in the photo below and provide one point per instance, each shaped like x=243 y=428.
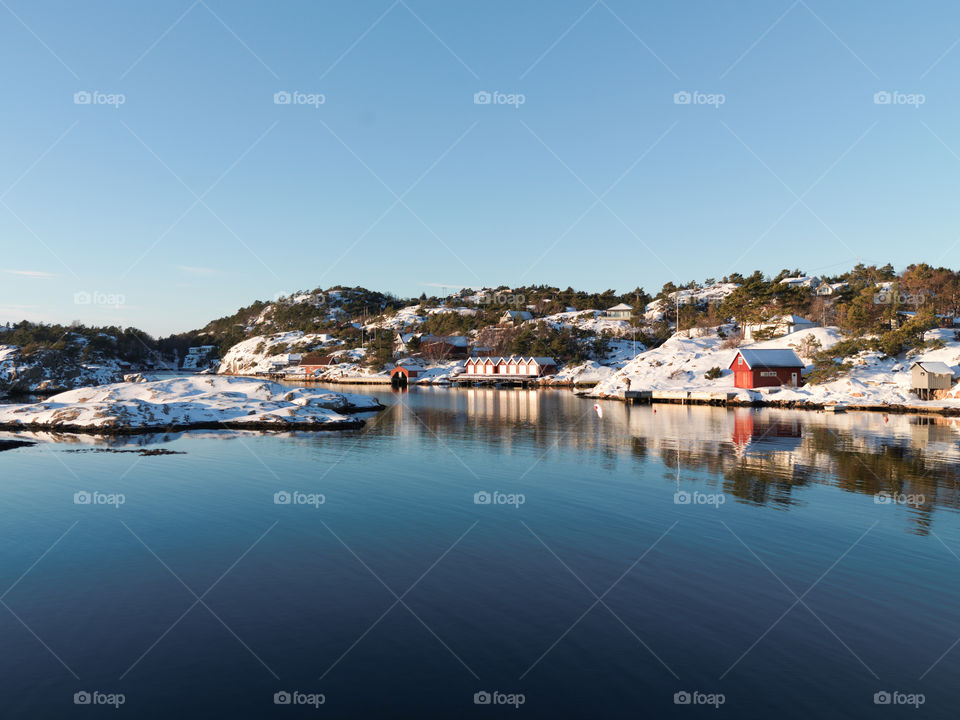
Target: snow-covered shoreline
x=875 y=382
x=190 y=403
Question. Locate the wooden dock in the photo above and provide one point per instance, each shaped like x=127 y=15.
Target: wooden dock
x=496 y=381
x=681 y=397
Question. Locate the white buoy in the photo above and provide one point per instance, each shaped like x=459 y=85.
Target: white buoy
x=598 y=409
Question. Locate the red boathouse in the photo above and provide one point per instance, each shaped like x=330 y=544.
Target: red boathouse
x=766 y=368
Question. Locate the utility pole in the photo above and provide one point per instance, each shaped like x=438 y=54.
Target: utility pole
x=677 y=297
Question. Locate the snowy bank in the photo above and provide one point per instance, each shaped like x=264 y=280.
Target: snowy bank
x=189 y=403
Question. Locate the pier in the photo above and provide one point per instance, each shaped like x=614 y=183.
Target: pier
x=681 y=397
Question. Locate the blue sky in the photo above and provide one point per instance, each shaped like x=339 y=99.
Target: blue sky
x=199 y=194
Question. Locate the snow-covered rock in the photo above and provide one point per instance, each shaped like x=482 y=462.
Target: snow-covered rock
x=195 y=402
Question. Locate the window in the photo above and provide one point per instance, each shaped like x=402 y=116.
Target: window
x=739 y=361
x=768 y=373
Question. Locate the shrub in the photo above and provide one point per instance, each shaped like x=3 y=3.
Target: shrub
x=732 y=341
x=713 y=373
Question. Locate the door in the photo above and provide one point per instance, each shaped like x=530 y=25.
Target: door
x=793 y=379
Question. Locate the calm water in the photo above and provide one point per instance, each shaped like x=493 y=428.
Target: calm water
x=782 y=583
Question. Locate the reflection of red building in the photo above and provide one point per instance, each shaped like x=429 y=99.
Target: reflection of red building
x=742 y=427
x=762 y=435
x=766 y=368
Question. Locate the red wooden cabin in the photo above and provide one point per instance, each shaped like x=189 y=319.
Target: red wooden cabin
x=766 y=368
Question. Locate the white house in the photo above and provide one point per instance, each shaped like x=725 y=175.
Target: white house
x=778 y=325
x=402 y=342
x=514 y=316
x=827 y=289
x=620 y=312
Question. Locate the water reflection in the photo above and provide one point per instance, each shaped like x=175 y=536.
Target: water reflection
x=762 y=456
x=766 y=457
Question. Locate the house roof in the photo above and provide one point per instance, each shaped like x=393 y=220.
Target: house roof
x=454 y=340
x=513 y=359
x=779 y=320
x=621 y=306
x=809 y=281
x=315 y=359
x=935 y=368
x=522 y=314
x=769 y=358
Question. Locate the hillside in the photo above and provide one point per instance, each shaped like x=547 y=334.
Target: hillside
x=50 y=358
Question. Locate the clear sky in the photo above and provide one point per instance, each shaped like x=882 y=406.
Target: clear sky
x=199 y=193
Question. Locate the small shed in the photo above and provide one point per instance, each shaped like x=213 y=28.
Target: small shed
x=401 y=375
x=925 y=377
x=766 y=368
x=540 y=366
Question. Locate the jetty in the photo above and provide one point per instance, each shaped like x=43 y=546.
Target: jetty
x=680 y=397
